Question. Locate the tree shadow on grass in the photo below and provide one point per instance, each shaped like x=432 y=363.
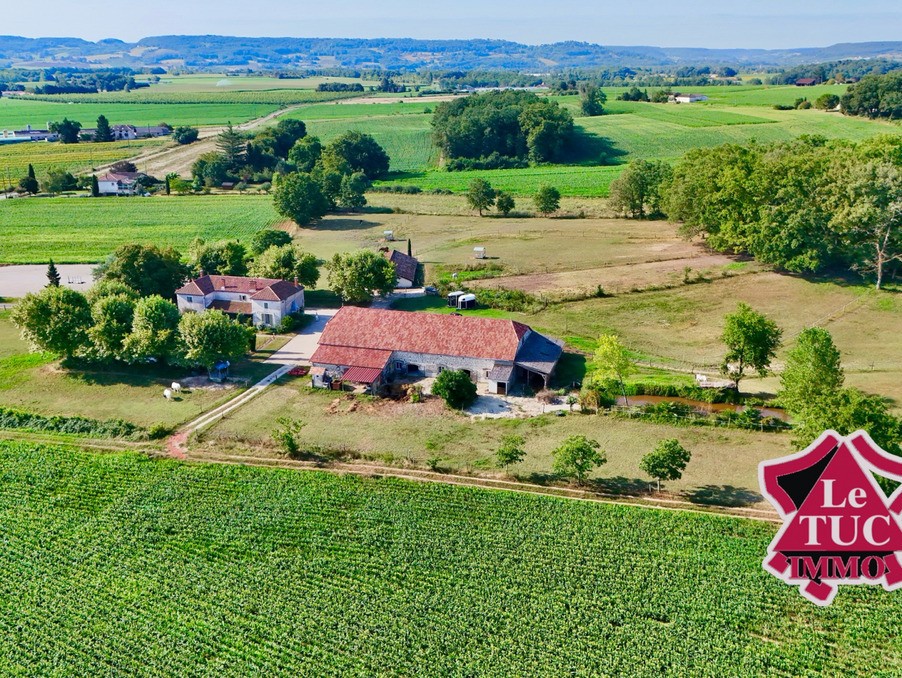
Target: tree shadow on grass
x=590 y=149
x=346 y=223
x=615 y=485
x=723 y=495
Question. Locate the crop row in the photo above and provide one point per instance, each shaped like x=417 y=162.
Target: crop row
x=120 y=564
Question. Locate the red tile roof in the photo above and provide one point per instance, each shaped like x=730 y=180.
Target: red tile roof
x=405 y=266
x=243 y=307
x=362 y=375
x=356 y=357
x=429 y=333
x=261 y=289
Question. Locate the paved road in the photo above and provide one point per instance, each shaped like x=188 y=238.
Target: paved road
x=17 y=281
x=302 y=346
x=296 y=351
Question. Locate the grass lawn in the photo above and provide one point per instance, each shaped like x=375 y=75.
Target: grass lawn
x=75 y=158
x=724 y=461
x=165 y=568
x=36 y=383
x=83 y=230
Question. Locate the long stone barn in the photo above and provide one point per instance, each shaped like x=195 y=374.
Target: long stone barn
x=374 y=347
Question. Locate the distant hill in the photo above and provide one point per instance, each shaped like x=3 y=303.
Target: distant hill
x=405 y=54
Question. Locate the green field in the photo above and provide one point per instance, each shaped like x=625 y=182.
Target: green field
x=629 y=130
x=77 y=230
x=118 y=563
x=75 y=158
x=17 y=113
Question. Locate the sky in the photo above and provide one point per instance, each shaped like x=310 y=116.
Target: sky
x=667 y=23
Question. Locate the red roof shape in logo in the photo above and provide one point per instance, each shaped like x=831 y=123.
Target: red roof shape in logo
x=847 y=492
x=817 y=482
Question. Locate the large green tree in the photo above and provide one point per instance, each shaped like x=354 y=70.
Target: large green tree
x=154 y=332
x=547 y=199
x=812 y=373
x=206 y=338
x=305 y=153
x=103 y=131
x=67 y=129
x=637 y=191
x=56 y=319
x=480 y=195
x=228 y=257
x=232 y=146
x=612 y=362
x=287 y=262
x=667 y=461
x=355 y=152
x=751 y=339
x=576 y=456
x=871 y=218
x=147 y=269
x=268 y=237
x=357 y=276
x=300 y=198
x=112 y=317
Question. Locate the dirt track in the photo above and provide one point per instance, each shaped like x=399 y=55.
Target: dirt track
x=159 y=162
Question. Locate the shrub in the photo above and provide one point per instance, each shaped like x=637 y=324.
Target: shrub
x=456 y=388
x=113 y=428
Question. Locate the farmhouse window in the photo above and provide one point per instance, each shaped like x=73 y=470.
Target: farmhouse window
x=399 y=365
x=265 y=305
x=190 y=300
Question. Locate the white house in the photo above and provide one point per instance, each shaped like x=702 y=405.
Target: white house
x=687 y=98
x=265 y=300
x=119 y=183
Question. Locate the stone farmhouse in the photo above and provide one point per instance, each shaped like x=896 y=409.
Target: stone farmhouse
x=373 y=347
x=264 y=300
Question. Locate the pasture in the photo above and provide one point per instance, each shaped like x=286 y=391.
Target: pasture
x=85 y=230
x=75 y=158
x=403 y=434
x=157 y=567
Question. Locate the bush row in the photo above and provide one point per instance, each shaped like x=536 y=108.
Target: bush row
x=113 y=428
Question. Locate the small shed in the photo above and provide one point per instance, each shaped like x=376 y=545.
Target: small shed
x=479 y=252
x=389 y=235
x=220 y=371
x=466 y=301
x=453 y=297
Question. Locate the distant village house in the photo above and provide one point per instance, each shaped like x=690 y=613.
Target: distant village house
x=686 y=98
x=119 y=183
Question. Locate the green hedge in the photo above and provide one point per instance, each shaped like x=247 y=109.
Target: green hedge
x=113 y=428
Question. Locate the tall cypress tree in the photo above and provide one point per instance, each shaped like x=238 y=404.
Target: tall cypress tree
x=95 y=187
x=31 y=171
x=103 y=132
x=409 y=249
x=53 y=276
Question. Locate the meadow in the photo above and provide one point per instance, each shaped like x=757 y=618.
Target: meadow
x=122 y=564
x=75 y=158
x=80 y=230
